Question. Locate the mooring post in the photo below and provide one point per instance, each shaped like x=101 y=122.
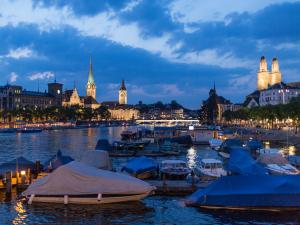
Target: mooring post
x=8 y=184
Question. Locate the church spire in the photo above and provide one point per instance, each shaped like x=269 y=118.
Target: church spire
x=91 y=74
x=123 y=87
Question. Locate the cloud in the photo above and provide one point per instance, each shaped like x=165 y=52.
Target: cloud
x=18 y=53
x=13 y=77
x=41 y=76
x=130 y=6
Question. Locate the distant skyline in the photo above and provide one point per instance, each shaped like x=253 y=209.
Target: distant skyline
x=163 y=49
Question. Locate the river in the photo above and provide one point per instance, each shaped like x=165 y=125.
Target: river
x=152 y=210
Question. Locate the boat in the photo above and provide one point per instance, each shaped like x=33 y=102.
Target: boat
x=242 y=163
x=174 y=169
x=103 y=144
x=78 y=183
x=29 y=130
x=224 y=149
x=56 y=161
x=141 y=167
x=249 y=192
x=276 y=164
x=210 y=168
x=97 y=158
x=215 y=143
x=254 y=144
x=294 y=160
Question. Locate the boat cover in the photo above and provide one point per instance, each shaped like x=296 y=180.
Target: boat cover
x=19 y=164
x=250 y=191
x=242 y=163
x=97 y=158
x=294 y=160
x=76 y=178
x=58 y=160
x=140 y=165
x=254 y=144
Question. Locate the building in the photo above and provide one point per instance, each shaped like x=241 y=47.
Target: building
x=279 y=93
x=266 y=78
x=72 y=98
x=252 y=100
x=123 y=94
x=14 y=97
x=124 y=112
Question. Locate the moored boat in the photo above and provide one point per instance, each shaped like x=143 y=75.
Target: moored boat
x=141 y=167
x=215 y=143
x=224 y=149
x=210 y=168
x=174 y=169
x=77 y=183
x=244 y=193
x=29 y=130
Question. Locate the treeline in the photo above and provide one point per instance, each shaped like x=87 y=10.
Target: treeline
x=61 y=114
x=267 y=114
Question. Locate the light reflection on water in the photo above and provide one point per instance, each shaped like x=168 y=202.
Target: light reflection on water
x=153 y=210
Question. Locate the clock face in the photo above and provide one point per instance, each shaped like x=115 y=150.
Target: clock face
x=58 y=91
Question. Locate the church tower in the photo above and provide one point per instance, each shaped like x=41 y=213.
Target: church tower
x=123 y=94
x=275 y=75
x=91 y=86
x=262 y=75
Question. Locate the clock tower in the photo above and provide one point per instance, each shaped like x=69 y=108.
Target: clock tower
x=123 y=94
x=91 y=86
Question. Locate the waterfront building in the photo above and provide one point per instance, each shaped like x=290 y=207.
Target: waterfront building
x=71 y=98
x=266 y=78
x=56 y=90
x=123 y=94
x=252 y=100
x=124 y=112
x=14 y=97
x=279 y=93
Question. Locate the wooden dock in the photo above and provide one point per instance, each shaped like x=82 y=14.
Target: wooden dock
x=176 y=187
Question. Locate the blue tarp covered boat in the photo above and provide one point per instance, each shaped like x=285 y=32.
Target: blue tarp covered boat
x=57 y=160
x=258 y=192
x=254 y=144
x=141 y=167
x=242 y=163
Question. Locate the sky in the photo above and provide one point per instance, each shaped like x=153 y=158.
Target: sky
x=163 y=49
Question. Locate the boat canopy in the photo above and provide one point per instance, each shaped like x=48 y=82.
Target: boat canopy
x=250 y=191
x=76 y=178
x=17 y=164
x=242 y=163
x=97 y=158
x=140 y=165
x=57 y=160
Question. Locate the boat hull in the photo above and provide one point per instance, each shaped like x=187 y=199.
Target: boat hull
x=88 y=200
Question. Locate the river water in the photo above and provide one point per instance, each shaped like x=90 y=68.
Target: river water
x=152 y=210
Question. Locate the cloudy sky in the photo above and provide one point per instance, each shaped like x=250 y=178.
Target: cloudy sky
x=164 y=49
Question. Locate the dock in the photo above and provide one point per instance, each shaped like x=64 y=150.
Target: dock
x=176 y=187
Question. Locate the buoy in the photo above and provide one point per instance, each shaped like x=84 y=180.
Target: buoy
x=30 y=199
x=66 y=199
x=99 y=197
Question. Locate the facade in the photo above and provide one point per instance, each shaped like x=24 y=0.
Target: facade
x=91 y=86
x=266 y=78
x=252 y=100
x=124 y=112
x=71 y=98
x=280 y=93
x=56 y=90
x=14 y=97
x=123 y=94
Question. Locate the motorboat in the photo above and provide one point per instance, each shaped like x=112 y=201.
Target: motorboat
x=56 y=161
x=215 y=143
x=224 y=149
x=294 y=160
x=249 y=192
x=242 y=163
x=276 y=164
x=210 y=168
x=141 y=167
x=97 y=158
x=78 y=183
x=174 y=169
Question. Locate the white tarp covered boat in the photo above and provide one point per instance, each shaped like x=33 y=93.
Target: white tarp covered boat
x=78 y=183
x=210 y=168
x=97 y=158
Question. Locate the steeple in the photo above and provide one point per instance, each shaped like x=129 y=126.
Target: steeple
x=91 y=86
x=263 y=67
x=91 y=74
x=123 y=87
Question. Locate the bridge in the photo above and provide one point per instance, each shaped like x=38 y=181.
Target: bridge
x=168 y=121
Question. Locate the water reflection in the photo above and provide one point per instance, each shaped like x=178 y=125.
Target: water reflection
x=191 y=157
